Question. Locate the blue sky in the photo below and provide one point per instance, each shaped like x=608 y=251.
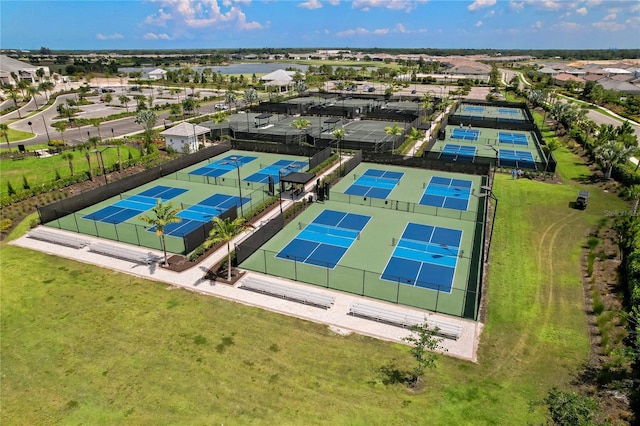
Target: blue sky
x=173 y=24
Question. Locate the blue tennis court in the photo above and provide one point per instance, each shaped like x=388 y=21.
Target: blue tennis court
x=194 y=216
x=324 y=241
x=513 y=138
x=136 y=204
x=465 y=134
x=447 y=192
x=462 y=153
x=283 y=167
x=511 y=158
x=473 y=108
x=375 y=183
x=223 y=166
x=508 y=111
x=425 y=256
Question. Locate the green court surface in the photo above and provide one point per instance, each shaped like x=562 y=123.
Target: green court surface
x=471 y=142
x=499 y=113
x=363 y=268
x=192 y=192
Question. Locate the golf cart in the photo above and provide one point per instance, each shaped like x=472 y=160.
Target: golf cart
x=581 y=201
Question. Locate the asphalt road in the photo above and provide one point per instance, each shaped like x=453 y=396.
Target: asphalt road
x=41 y=121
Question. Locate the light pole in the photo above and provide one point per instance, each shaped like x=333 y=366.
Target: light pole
x=489 y=193
x=235 y=160
x=45 y=128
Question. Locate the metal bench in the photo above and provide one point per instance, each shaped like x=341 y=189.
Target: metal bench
x=405 y=320
x=122 y=253
x=56 y=238
x=284 y=291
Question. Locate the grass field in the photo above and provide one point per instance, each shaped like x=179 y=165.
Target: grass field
x=43 y=170
x=82 y=344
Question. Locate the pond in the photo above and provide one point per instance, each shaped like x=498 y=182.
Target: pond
x=246 y=69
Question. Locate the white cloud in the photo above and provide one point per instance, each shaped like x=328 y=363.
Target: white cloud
x=401 y=29
x=381 y=31
x=551 y=5
x=635 y=8
x=160 y=18
x=479 y=24
x=609 y=26
x=352 y=32
x=334 y=2
x=479 y=4
x=515 y=6
x=582 y=11
x=633 y=21
x=208 y=13
x=610 y=17
x=537 y=25
x=310 y=4
x=490 y=13
x=114 y=36
x=405 y=5
x=592 y=3
x=567 y=26
x=154 y=36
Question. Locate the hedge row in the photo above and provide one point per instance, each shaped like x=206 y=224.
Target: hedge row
x=22 y=195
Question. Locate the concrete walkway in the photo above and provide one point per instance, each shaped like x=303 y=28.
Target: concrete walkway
x=336 y=317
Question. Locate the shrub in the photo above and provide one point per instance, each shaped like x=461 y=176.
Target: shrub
x=25 y=183
x=10 y=190
x=5 y=225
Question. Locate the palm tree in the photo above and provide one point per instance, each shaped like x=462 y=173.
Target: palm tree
x=394 y=131
x=301 y=87
x=224 y=231
x=414 y=136
x=87 y=154
x=4 y=132
x=230 y=98
x=69 y=157
x=161 y=216
x=124 y=100
x=46 y=86
x=118 y=143
x=95 y=122
x=338 y=133
x=250 y=96
x=61 y=126
x=550 y=146
x=33 y=91
x=13 y=95
x=632 y=193
x=147 y=119
x=301 y=123
x=220 y=117
x=610 y=154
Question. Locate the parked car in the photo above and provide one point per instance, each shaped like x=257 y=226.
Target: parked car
x=221 y=107
x=371 y=89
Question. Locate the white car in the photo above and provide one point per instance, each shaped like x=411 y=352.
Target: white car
x=221 y=107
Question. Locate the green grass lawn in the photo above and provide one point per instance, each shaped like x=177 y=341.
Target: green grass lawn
x=82 y=344
x=43 y=170
x=14 y=137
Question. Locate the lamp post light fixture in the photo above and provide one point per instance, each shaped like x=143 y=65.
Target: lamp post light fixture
x=489 y=193
x=235 y=161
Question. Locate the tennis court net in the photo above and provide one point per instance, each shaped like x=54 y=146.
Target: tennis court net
x=329 y=230
x=451 y=187
x=377 y=179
